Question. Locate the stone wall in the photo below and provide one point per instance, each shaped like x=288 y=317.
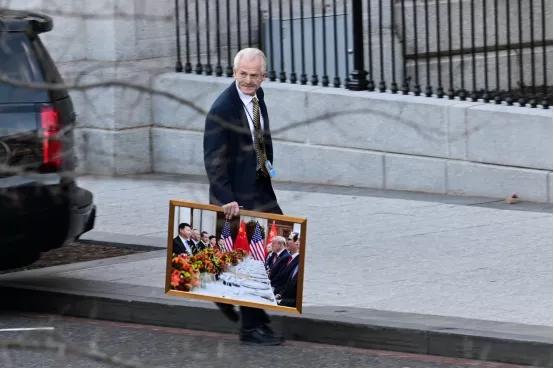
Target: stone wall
x=374 y=140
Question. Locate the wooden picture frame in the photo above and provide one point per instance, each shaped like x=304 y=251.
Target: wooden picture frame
x=285 y=224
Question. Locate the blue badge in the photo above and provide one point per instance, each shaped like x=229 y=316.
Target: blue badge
x=270 y=169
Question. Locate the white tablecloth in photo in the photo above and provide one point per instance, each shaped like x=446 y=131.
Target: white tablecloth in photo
x=249 y=283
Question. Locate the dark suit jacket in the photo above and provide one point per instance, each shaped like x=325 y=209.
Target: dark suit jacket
x=269 y=260
x=277 y=266
x=288 y=293
x=230 y=158
x=282 y=277
x=179 y=247
x=201 y=246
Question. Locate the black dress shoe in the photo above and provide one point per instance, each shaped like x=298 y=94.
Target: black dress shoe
x=267 y=329
x=259 y=336
x=229 y=311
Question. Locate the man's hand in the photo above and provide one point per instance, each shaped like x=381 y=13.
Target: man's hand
x=231 y=209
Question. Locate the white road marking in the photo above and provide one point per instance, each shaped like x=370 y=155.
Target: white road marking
x=26 y=329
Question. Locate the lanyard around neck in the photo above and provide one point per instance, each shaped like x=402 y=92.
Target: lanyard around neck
x=250 y=116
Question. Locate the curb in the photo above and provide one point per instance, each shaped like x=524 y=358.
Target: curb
x=412 y=333
x=123 y=240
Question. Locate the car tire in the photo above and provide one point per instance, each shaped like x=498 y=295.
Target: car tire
x=19 y=259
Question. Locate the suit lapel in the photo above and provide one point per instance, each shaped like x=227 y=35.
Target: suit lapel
x=292 y=263
x=241 y=114
x=184 y=246
x=263 y=108
x=284 y=255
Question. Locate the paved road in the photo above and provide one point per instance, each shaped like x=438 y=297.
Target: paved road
x=388 y=250
x=73 y=342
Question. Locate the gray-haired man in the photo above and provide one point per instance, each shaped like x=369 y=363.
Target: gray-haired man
x=238 y=155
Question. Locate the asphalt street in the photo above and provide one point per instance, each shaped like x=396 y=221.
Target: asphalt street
x=39 y=340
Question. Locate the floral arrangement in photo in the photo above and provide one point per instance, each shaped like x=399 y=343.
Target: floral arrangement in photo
x=235 y=256
x=206 y=262
x=218 y=259
x=185 y=271
x=184 y=275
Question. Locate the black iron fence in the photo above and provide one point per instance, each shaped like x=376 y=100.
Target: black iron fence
x=497 y=51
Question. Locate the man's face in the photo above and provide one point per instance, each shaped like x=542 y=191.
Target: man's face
x=290 y=243
x=294 y=246
x=206 y=238
x=196 y=234
x=185 y=232
x=269 y=247
x=249 y=75
x=276 y=246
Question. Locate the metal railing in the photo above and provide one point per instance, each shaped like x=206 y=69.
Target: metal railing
x=497 y=51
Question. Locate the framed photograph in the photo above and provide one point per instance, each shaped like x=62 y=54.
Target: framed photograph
x=255 y=259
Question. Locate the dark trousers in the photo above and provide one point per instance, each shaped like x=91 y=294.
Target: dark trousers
x=266 y=202
x=252 y=317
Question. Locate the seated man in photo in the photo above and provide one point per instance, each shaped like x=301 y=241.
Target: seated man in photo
x=195 y=236
x=287 y=296
x=182 y=244
x=212 y=241
x=280 y=279
x=285 y=290
x=270 y=258
x=281 y=257
x=221 y=244
x=204 y=241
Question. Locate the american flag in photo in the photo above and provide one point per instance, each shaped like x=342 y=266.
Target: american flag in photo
x=257 y=244
x=226 y=236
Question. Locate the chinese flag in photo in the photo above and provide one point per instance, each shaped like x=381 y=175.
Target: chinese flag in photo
x=241 y=242
x=272 y=233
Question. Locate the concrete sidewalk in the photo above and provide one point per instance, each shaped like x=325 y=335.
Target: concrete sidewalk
x=457 y=276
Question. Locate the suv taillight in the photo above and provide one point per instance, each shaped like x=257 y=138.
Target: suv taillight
x=51 y=142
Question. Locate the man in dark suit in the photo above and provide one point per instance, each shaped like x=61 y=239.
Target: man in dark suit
x=270 y=258
x=204 y=242
x=182 y=244
x=282 y=256
x=282 y=277
x=238 y=156
x=195 y=236
x=287 y=296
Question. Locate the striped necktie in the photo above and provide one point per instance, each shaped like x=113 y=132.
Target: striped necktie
x=259 y=142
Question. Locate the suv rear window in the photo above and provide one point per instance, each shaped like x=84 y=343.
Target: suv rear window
x=15 y=58
x=18 y=61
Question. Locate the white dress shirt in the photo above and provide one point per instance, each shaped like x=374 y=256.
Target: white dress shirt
x=279 y=253
x=187 y=246
x=247 y=101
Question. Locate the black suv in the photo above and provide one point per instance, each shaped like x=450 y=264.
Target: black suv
x=41 y=207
